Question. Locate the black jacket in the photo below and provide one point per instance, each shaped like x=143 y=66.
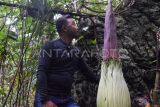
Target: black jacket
x=57 y=63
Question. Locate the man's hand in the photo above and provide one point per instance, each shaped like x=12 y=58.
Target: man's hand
x=49 y=104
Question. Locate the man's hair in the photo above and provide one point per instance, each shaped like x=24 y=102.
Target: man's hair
x=61 y=21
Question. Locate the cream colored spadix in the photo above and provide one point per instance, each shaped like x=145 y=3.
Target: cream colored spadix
x=112 y=90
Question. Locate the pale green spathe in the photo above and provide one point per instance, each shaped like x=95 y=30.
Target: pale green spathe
x=112 y=90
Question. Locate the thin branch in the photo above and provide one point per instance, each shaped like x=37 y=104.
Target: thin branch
x=95 y=3
x=51 y=10
x=92 y=9
x=16 y=5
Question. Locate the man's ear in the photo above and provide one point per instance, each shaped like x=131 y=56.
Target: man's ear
x=64 y=28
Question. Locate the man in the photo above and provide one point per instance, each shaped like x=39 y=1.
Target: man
x=57 y=64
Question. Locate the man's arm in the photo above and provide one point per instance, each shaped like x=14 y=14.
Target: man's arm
x=43 y=64
x=89 y=74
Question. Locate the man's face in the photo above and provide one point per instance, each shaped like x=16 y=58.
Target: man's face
x=71 y=28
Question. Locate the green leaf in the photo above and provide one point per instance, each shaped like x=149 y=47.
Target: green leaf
x=2 y=35
x=93 y=42
x=81 y=38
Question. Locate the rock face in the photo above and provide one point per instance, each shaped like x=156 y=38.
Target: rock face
x=136 y=28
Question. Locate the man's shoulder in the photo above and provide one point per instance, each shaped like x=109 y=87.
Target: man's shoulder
x=50 y=44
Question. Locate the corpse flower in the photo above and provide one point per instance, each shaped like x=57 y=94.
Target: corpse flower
x=112 y=90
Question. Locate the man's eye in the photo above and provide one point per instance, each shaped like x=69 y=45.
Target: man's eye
x=73 y=24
